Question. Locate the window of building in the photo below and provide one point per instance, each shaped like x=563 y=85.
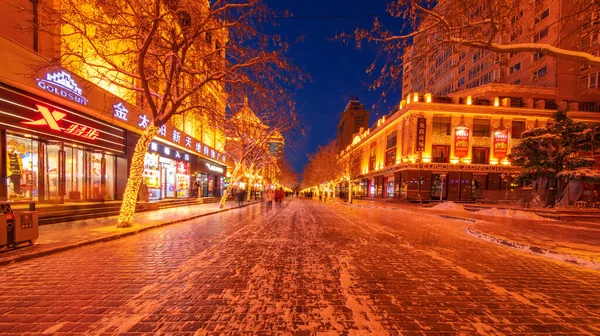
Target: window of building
x=441 y=126
x=391 y=140
x=461 y=81
x=440 y=154
x=537 y=56
x=541 y=72
x=589 y=81
x=481 y=155
x=462 y=68
x=540 y=35
x=390 y=157
x=481 y=127
x=372 y=156
x=517 y=82
x=512 y=54
x=544 y=14
x=518 y=127
x=515 y=67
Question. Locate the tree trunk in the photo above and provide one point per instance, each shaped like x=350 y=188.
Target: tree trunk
x=350 y=191
x=250 y=189
x=228 y=190
x=135 y=177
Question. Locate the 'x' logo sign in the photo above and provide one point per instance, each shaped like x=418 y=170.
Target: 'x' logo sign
x=50 y=118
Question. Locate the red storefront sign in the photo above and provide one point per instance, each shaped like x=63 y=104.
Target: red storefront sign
x=500 y=144
x=421 y=132
x=51 y=120
x=461 y=142
x=23 y=112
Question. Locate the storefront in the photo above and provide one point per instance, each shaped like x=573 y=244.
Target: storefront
x=167 y=172
x=56 y=154
x=210 y=177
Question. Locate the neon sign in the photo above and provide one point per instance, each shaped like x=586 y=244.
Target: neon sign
x=51 y=120
x=61 y=84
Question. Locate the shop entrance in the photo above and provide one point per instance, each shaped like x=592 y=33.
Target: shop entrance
x=168 y=171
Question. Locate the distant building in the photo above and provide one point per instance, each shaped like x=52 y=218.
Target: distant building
x=526 y=78
x=276 y=143
x=351 y=121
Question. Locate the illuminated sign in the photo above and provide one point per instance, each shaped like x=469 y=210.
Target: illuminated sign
x=120 y=111
x=61 y=84
x=461 y=142
x=421 y=132
x=166 y=151
x=51 y=120
x=500 y=144
x=214 y=168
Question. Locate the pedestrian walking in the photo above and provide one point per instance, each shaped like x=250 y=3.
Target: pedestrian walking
x=241 y=195
x=279 y=194
x=269 y=196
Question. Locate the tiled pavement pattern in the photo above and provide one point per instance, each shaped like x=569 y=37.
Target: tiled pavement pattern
x=305 y=269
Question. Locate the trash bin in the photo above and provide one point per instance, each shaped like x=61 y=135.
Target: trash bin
x=26 y=227
x=527 y=196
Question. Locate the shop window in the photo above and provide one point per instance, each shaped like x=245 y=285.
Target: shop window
x=440 y=154
x=478 y=186
x=481 y=155
x=22 y=167
x=518 y=127
x=481 y=127
x=441 y=126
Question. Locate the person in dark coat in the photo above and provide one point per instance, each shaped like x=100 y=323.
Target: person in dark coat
x=551 y=198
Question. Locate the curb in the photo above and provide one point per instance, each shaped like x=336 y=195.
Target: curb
x=58 y=249
x=534 y=250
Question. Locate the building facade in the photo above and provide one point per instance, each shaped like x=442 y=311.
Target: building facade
x=351 y=121
x=457 y=70
x=65 y=138
x=434 y=150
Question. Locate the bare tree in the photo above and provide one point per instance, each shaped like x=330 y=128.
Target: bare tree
x=500 y=26
x=323 y=169
x=249 y=132
x=171 y=57
x=287 y=177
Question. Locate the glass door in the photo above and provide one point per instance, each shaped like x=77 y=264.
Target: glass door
x=54 y=177
x=169 y=186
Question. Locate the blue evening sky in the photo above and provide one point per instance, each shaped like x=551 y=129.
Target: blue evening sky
x=337 y=69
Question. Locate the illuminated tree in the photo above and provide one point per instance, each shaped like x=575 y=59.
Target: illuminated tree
x=426 y=28
x=554 y=153
x=169 y=57
x=286 y=176
x=249 y=132
x=323 y=170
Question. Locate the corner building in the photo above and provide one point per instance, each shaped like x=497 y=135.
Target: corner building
x=431 y=149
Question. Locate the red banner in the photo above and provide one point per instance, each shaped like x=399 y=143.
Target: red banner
x=500 y=144
x=461 y=142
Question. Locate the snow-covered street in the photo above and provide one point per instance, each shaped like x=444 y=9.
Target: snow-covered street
x=306 y=268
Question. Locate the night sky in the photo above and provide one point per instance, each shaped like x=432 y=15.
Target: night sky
x=337 y=69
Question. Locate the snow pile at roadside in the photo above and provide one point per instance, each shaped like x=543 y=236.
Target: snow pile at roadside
x=449 y=206
x=508 y=213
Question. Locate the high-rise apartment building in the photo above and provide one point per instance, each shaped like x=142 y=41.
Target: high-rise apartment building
x=351 y=121
x=525 y=76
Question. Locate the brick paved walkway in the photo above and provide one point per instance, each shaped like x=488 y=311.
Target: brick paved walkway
x=304 y=269
x=572 y=238
x=58 y=237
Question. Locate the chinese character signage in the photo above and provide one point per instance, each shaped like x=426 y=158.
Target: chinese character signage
x=500 y=144
x=421 y=134
x=168 y=152
x=461 y=142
